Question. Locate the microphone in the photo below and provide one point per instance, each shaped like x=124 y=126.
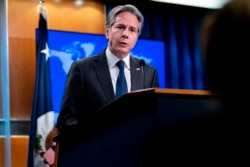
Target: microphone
x=142 y=64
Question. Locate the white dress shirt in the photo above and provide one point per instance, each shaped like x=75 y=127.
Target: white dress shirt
x=114 y=70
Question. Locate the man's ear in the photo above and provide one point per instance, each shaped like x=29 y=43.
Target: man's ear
x=107 y=33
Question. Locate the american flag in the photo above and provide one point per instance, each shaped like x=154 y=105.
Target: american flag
x=49 y=155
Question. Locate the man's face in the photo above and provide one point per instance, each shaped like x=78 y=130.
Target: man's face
x=123 y=34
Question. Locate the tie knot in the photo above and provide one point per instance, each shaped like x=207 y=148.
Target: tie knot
x=120 y=65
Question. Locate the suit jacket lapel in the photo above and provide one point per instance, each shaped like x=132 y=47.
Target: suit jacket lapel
x=103 y=74
x=136 y=74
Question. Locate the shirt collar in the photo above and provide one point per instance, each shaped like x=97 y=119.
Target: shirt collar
x=112 y=59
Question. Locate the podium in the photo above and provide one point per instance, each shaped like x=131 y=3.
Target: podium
x=115 y=135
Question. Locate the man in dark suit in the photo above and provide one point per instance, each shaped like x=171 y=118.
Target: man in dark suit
x=91 y=82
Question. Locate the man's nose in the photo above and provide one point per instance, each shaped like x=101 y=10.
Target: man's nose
x=125 y=32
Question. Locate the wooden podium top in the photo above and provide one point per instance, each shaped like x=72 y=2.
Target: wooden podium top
x=171 y=91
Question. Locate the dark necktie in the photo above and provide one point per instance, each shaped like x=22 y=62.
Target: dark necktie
x=121 y=84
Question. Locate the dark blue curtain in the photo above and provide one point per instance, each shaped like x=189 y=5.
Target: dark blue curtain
x=179 y=27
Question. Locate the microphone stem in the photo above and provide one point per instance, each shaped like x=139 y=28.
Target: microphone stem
x=142 y=64
x=143 y=80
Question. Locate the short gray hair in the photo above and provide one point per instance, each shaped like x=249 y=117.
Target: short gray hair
x=124 y=8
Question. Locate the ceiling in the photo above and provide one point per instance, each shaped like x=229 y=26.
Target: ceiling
x=209 y=4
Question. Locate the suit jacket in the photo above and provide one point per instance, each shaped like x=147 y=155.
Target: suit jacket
x=89 y=87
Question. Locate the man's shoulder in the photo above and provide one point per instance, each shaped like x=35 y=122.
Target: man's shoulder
x=92 y=58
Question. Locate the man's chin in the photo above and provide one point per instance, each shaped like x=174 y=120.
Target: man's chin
x=121 y=53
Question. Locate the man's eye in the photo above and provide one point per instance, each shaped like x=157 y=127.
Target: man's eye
x=133 y=30
x=120 y=27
